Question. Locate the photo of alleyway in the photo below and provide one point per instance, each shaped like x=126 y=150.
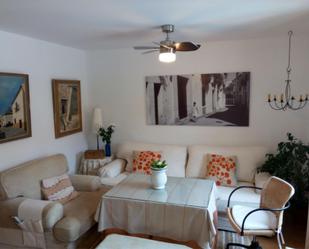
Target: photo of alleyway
x=199 y=99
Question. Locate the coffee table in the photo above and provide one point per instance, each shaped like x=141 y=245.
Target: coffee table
x=185 y=210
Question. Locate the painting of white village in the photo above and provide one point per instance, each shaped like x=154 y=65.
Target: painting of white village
x=67 y=107
x=219 y=99
x=14 y=107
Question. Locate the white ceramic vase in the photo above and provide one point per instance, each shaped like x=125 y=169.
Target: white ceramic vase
x=158 y=178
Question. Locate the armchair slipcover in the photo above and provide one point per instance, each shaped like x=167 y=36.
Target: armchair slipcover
x=62 y=224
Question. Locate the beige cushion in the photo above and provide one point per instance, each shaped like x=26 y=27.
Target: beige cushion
x=110 y=182
x=174 y=155
x=58 y=188
x=85 y=182
x=25 y=179
x=112 y=169
x=78 y=216
x=249 y=158
x=261 y=220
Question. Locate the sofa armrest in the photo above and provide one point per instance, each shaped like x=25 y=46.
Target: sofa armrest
x=52 y=213
x=260 y=179
x=112 y=169
x=85 y=182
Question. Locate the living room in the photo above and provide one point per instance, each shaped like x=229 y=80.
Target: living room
x=92 y=45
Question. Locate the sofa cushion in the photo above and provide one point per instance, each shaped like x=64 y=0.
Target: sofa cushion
x=109 y=182
x=113 y=168
x=175 y=155
x=58 y=188
x=78 y=216
x=25 y=179
x=142 y=161
x=221 y=169
x=261 y=220
x=86 y=183
x=246 y=196
x=249 y=158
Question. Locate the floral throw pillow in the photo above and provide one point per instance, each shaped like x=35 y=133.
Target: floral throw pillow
x=222 y=169
x=142 y=161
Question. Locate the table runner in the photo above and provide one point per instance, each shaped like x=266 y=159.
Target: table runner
x=185 y=210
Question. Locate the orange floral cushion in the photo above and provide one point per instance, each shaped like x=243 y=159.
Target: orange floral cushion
x=142 y=161
x=222 y=169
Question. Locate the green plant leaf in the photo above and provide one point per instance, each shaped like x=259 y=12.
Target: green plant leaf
x=291 y=163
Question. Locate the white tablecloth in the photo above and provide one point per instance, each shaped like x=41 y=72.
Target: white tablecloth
x=185 y=210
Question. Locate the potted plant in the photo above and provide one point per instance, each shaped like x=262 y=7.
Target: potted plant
x=291 y=163
x=106 y=135
x=158 y=177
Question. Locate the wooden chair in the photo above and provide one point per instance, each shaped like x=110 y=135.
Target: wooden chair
x=267 y=219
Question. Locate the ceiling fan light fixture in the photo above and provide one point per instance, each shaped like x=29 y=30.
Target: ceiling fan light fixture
x=167 y=48
x=167 y=55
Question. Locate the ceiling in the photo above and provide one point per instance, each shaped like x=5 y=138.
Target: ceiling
x=104 y=24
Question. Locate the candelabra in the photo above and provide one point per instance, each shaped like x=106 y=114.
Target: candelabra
x=287 y=100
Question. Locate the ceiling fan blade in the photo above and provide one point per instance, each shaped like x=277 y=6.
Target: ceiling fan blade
x=145 y=47
x=151 y=51
x=186 y=46
x=160 y=44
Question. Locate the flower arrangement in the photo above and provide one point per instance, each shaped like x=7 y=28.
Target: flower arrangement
x=158 y=165
x=106 y=134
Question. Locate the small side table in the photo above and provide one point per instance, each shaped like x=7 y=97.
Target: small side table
x=91 y=166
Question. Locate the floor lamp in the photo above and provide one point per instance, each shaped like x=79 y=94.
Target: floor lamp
x=97 y=123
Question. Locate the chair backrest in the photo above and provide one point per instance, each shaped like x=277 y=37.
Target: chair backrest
x=275 y=194
x=25 y=179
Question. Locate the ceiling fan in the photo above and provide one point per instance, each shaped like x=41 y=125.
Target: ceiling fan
x=168 y=47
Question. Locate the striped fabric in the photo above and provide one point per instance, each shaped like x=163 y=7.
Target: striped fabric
x=226 y=237
x=58 y=188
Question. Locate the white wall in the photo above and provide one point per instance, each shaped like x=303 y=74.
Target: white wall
x=42 y=61
x=117 y=85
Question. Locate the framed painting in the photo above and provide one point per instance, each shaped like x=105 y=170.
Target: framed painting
x=15 y=120
x=212 y=99
x=67 y=107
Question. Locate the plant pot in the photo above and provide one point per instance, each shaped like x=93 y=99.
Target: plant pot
x=108 y=151
x=158 y=178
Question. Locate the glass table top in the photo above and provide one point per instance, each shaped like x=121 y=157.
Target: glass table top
x=178 y=191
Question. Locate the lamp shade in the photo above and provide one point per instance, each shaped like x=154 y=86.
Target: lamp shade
x=97 y=122
x=167 y=57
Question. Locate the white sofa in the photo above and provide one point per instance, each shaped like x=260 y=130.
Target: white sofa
x=190 y=162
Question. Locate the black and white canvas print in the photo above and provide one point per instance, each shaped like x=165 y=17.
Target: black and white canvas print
x=219 y=99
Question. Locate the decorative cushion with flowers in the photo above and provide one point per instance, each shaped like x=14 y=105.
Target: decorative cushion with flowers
x=142 y=161
x=221 y=169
